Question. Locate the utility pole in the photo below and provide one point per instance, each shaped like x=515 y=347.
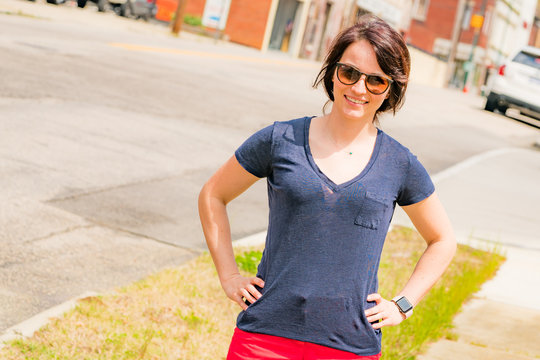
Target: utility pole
x=469 y=65
x=456 y=34
x=486 y=29
x=179 y=17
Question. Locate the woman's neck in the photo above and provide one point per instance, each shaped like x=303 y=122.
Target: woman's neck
x=346 y=131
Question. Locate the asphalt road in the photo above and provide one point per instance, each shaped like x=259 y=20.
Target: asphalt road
x=110 y=126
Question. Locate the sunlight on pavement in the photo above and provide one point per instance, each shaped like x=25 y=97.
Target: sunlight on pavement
x=212 y=55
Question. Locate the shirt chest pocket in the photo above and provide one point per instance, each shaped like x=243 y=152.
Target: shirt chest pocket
x=373 y=210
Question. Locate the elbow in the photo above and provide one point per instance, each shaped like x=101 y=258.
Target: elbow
x=204 y=197
x=208 y=196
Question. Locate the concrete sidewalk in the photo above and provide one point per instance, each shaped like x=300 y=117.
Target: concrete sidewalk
x=493 y=200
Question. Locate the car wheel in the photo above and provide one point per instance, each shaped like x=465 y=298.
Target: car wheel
x=491 y=102
x=502 y=109
x=81 y=3
x=101 y=5
x=116 y=9
x=126 y=9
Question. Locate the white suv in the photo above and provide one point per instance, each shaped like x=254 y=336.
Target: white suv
x=517 y=84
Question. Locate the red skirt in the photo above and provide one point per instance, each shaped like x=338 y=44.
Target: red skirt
x=252 y=346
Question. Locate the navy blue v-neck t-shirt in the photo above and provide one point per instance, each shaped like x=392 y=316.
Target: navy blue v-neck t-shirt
x=324 y=240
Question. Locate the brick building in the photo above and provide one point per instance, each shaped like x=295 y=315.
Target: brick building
x=302 y=28
x=437 y=25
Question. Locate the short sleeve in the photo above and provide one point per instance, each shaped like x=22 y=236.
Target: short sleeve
x=255 y=154
x=417 y=184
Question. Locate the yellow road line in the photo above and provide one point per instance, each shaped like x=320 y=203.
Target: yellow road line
x=212 y=55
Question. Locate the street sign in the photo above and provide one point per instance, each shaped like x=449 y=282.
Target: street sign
x=477 y=21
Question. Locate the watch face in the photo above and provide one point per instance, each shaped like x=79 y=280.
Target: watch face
x=404 y=304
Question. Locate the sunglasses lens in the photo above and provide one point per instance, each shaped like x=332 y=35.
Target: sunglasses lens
x=347 y=74
x=376 y=84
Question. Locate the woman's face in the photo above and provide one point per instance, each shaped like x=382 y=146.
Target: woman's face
x=355 y=102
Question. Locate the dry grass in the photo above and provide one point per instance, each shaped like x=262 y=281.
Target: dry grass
x=175 y=314
x=182 y=313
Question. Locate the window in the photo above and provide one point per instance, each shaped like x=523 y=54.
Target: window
x=420 y=9
x=528 y=59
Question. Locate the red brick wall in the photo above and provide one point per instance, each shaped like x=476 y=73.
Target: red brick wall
x=246 y=22
x=439 y=23
x=195 y=7
x=167 y=8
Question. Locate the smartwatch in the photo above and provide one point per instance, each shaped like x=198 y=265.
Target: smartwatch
x=404 y=305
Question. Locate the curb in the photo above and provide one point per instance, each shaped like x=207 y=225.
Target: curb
x=28 y=327
x=252 y=240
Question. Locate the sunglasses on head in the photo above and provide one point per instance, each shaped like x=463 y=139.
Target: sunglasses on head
x=349 y=75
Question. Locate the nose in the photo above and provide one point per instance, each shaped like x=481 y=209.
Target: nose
x=360 y=86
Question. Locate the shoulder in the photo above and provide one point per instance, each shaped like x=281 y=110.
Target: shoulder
x=395 y=150
x=292 y=130
x=293 y=126
x=279 y=131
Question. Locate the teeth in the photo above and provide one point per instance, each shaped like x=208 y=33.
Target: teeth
x=356 y=101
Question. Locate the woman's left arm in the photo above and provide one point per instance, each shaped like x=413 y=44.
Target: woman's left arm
x=431 y=221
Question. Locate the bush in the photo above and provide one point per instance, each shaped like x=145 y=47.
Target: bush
x=192 y=20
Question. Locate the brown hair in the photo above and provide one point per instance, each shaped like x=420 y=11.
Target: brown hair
x=392 y=56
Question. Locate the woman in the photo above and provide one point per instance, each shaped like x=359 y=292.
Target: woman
x=333 y=182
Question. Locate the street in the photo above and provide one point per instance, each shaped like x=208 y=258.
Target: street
x=110 y=126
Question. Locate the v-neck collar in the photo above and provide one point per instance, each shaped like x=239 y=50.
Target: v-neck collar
x=326 y=179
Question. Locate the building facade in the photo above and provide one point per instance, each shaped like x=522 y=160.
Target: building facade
x=453 y=41
x=473 y=36
x=301 y=28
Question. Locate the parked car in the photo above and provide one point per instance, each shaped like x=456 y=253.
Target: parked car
x=100 y=4
x=144 y=9
x=517 y=84
x=129 y=8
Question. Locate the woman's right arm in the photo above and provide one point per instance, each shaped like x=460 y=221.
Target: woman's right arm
x=226 y=184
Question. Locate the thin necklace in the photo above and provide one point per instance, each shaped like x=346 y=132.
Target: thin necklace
x=334 y=140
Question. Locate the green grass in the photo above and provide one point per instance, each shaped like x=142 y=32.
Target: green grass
x=432 y=319
x=182 y=313
x=248 y=260
x=192 y=20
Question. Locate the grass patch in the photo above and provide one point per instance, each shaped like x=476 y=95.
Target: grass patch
x=20 y=13
x=192 y=20
x=248 y=261
x=182 y=313
x=432 y=318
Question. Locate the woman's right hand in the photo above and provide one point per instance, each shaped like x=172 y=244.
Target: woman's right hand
x=238 y=287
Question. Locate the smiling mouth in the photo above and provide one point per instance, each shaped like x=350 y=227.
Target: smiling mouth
x=354 y=101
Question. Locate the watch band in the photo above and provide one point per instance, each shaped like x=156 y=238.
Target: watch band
x=404 y=305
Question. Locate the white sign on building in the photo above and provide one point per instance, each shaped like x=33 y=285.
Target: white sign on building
x=215 y=13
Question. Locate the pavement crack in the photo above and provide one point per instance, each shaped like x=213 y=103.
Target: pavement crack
x=120 y=230
x=121 y=186
x=56 y=233
x=133 y=233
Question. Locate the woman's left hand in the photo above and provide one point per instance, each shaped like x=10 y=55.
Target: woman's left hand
x=385 y=311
